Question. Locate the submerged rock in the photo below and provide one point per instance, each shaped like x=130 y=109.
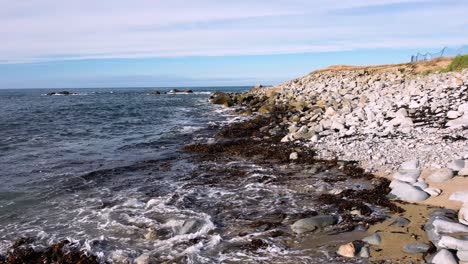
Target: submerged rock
x=313 y=223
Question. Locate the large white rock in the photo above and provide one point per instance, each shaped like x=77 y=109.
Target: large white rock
x=410 y=175
x=453 y=243
x=461 y=196
x=447 y=227
x=444 y=257
x=453 y=114
x=441 y=175
x=456 y=165
x=433 y=191
x=462 y=255
x=458 y=123
x=407 y=192
x=410 y=165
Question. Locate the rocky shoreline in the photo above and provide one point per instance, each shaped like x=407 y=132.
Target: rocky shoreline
x=397 y=123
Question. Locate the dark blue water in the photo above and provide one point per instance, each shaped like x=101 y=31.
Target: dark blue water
x=104 y=169
x=48 y=145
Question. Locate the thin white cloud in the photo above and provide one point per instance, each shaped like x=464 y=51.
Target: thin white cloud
x=42 y=30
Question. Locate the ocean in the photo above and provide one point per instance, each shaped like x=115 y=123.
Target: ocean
x=106 y=170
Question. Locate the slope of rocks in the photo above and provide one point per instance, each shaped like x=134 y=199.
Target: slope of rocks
x=377 y=117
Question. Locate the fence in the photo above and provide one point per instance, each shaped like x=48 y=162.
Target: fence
x=445 y=52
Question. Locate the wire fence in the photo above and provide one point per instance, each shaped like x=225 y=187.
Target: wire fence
x=445 y=52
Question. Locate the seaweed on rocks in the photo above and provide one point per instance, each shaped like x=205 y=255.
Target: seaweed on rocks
x=64 y=252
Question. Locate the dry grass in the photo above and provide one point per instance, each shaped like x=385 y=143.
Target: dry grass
x=423 y=67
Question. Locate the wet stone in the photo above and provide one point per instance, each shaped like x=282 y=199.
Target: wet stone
x=401 y=222
x=313 y=223
x=416 y=248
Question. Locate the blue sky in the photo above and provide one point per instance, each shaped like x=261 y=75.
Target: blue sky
x=160 y=43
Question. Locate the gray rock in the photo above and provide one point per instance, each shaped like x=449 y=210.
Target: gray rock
x=433 y=191
x=463 y=172
x=449 y=227
x=456 y=165
x=444 y=257
x=364 y=252
x=441 y=175
x=421 y=185
x=461 y=196
x=407 y=192
x=410 y=165
x=458 y=123
x=401 y=222
x=453 y=243
x=410 y=175
x=373 y=239
x=313 y=223
x=415 y=248
x=462 y=255
x=453 y=114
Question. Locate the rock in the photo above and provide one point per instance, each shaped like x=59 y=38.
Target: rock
x=433 y=191
x=364 y=252
x=458 y=123
x=416 y=248
x=407 y=192
x=462 y=255
x=188 y=91
x=155 y=92
x=410 y=165
x=463 y=214
x=293 y=156
x=401 y=222
x=456 y=165
x=444 y=257
x=265 y=109
x=373 y=239
x=448 y=227
x=221 y=98
x=453 y=243
x=407 y=175
x=143 y=259
x=441 y=175
x=453 y=114
x=347 y=250
x=461 y=196
x=313 y=223
x=152 y=234
x=463 y=172
x=61 y=93
x=421 y=184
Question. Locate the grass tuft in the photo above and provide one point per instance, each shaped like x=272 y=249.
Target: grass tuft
x=459 y=63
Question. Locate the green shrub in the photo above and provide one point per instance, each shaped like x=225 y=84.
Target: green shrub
x=459 y=63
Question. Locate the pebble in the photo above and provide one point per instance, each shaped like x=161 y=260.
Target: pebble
x=415 y=248
x=293 y=156
x=373 y=239
x=347 y=250
x=461 y=196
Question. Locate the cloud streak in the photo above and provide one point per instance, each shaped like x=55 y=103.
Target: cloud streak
x=48 y=30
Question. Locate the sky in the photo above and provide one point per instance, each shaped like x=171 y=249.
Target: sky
x=171 y=43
